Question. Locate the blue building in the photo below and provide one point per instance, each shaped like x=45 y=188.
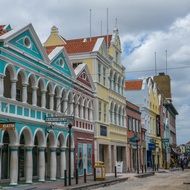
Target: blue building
x=33 y=86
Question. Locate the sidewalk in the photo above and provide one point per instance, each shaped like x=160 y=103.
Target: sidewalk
x=59 y=184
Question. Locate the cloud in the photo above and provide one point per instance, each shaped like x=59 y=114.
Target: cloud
x=177 y=42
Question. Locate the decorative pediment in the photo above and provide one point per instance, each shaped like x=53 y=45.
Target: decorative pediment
x=26 y=41
x=60 y=61
x=83 y=75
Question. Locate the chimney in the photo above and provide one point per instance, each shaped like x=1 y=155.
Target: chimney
x=54 y=30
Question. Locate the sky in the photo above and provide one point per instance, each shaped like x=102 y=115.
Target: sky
x=145 y=27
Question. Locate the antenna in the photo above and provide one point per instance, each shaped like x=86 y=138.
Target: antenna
x=90 y=11
x=101 y=27
x=107 y=29
x=155 y=63
x=166 y=61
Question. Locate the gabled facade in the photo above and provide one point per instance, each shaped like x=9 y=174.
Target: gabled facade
x=144 y=94
x=84 y=90
x=102 y=55
x=32 y=87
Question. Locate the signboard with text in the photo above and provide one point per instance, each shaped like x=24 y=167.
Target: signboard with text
x=7 y=126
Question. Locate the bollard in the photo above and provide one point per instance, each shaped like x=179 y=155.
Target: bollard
x=145 y=168
x=142 y=169
x=94 y=174
x=65 y=179
x=76 y=172
x=115 y=171
x=84 y=175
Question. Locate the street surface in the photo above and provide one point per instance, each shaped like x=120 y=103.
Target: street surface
x=160 y=181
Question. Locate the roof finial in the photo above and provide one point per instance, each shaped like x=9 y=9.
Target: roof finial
x=54 y=30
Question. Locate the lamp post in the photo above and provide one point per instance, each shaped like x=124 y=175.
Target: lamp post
x=70 y=126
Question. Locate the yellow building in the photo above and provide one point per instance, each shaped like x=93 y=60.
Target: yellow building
x=154 y=135
x=102 y=55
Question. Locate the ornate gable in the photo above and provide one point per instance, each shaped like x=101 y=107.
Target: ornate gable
x=83 y=75
x=26 y=41
x=60 y=61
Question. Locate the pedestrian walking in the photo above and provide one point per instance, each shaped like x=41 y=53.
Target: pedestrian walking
x=182 y=164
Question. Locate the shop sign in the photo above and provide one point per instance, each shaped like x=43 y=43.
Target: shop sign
x=103 y=130
x=63 y=119
x=151 y=146
x=7 y=126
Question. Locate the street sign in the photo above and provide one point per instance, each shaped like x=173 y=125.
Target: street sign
x=165 y=140
x=7 y=126
x=59 y=119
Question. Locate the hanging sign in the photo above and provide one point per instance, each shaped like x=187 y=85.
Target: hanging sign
x=7 y=126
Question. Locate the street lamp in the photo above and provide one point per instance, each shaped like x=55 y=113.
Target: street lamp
x=70 y=126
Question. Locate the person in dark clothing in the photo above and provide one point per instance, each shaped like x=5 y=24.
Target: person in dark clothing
x=182 y=164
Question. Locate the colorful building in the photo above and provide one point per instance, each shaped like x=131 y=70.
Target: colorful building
x=35 y=86
x=102 y=55
x=144 y=94
x=136 y=138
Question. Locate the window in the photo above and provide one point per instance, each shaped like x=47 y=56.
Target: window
x=105 y=112
x=27 y=42
x=103 y=130
x=104 y=76
x=134 y=125
x=137 y=126
x=100 y=110
x=99 y=72
x=129 y=123
x=18 y=94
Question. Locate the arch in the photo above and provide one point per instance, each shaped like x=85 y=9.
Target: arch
x=13 y=137
x=119 y=115
x=111 y=78
x=27 y=136
x=23 y=75
x=51 y=87
x=114 y=81
x=41 y=83
x=12 y=71
x=119 y=84
x=51 y=139
x=33 y=79
x=39 y=133
x=60 y=139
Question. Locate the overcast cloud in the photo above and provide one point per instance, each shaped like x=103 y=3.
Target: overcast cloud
x=145 y=26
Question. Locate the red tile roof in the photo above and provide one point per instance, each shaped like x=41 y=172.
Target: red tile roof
x=2 y=31
x=82 y=45
x=133 y=85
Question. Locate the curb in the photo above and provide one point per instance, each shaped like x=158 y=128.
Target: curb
x=99 y=184
x=145 y=174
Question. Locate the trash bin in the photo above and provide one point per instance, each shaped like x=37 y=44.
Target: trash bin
x=100 y=170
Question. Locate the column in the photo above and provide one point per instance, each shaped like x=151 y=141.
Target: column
x=13 y=89
x=29 y=165
x=43 y=98
x=72 y=162
x=62 y=162
x=41 y=163
x=114 y=157
x=109 y=159
x=65 y=106
x=24 y=93
x=81 y=111
x=1 y=85
x=58 y=103
x=34 y=95
x=71 y=108
x=14 y=165
x=53 y=163
x=51 y=101
x=76 y=110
